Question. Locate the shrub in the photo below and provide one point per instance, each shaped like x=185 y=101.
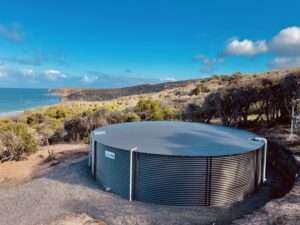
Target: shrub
x=58 y=136
x=170 y=113
x=57 y=112
x=49 y=122
x=145 y=108
x=149 y=109
x=48 y=128
x=269 y=100
x=200 y=88
x=132 y=117
x=116 y=117
x=79 y=127
x=27 y=135
x=157 y=115
x=11 y=146
x=99 y=118
x=4 y=123
x=16 y=139
x=35 y=118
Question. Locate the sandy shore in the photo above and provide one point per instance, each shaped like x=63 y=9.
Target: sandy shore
x=14 y=114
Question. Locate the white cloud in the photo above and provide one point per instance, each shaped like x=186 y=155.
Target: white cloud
x=10 y=76
x=54 y=74
x=89 y=79
x=285 y=47
x=245 y=47
x=3 y=72
x=285 y=62
x=28 y=73
x=208 y=64
x=12 y=32
x=286 y=42
x=207 y=61
x=36 y=57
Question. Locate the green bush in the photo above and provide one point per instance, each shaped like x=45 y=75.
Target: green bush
x=149 y=109
x=49 y=122
x=36 y=118
x=57 y=112
x=79 y=127
x=115 y=117
x=170 y=113
x=16 y=139
x=58 y=136
x=11 y=146
x=132 y=117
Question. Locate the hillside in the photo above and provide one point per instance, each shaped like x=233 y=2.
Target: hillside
x=212 y=83
x=108 y=94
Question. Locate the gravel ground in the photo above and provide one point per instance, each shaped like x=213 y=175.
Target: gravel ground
x=71 y=189
x=283 y=211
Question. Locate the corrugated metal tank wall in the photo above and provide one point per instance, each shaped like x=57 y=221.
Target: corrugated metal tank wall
x=196 y=181
x=170 y=180
x=112 y=169
x=232 y=178
x=177 y=180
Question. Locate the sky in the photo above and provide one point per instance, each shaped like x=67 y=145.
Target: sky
x=97 y=43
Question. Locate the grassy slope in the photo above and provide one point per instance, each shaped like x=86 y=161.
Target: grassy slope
x=213 y=83
x=177 y=93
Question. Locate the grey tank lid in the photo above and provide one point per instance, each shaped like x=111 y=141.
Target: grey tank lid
x=177 y=138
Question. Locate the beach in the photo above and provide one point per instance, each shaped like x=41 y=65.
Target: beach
x=11 y=114
x=14 y=102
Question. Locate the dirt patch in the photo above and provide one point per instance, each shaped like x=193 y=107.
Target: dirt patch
x=283 y=211
x=77 y=219
x=40 y=163
x=284 y=163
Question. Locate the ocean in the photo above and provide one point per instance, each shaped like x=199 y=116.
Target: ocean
x=14 y=100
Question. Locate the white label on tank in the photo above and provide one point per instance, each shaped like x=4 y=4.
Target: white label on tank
x=110 y=155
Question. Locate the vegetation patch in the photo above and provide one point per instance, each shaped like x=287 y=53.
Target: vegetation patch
x=239 y=101
x=16 y=139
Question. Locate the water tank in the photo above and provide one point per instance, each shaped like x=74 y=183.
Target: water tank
x=177 y=163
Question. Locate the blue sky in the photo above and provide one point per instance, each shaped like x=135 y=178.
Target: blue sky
x=112 y=43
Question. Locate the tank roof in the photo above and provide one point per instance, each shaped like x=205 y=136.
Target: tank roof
x=177 y=138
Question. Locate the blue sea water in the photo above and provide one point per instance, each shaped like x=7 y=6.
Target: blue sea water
x=19 y=99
